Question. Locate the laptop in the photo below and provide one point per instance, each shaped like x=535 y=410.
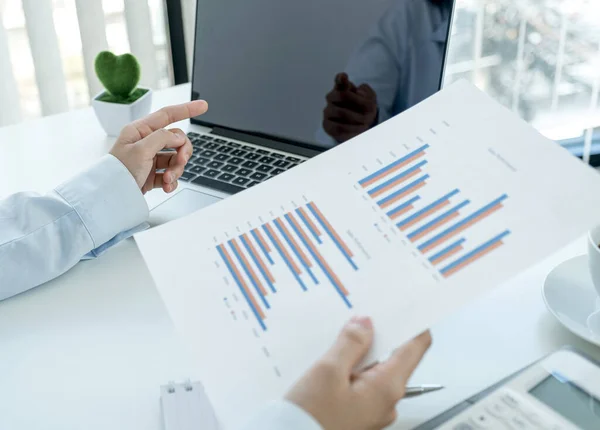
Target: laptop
x=286 y=81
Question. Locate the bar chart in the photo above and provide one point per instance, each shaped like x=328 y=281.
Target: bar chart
x=432 y=224
x=294 y=240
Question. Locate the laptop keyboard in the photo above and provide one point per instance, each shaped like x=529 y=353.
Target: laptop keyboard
x=232 y=167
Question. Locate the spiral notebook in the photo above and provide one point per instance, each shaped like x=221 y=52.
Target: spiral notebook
x=186 y=407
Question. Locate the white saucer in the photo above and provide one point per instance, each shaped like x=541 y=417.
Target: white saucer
x=570 y=296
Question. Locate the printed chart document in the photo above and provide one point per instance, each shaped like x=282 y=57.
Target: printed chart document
x=404 y=223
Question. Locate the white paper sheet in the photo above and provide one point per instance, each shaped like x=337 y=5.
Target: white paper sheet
x=506 y=196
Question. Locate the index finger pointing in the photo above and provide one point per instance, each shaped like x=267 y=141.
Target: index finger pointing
x=169 y=115
x=398 y=369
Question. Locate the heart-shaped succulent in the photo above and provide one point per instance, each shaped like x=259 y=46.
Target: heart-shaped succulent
x=120 y=75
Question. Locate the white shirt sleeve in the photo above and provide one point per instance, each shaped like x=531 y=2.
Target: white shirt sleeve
x=282 y=415
x=41 y=237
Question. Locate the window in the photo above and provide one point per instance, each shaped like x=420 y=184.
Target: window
x=539 y=58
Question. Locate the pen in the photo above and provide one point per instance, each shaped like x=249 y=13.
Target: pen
x=417 y=390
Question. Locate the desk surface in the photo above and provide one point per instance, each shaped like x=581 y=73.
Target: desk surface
x=91 y=348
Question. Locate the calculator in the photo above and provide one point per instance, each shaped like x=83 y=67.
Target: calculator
x=559 y=392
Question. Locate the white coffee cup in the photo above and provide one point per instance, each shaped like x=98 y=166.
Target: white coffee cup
x=594 y=256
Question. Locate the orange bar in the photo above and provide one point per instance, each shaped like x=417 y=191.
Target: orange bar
x=283 y=249
x=319 y=257
x=262 y=239
x=404 y=194
x=331 y=229
x=463 y=228
x=425 y=214
x=473 y=259
x=250 y=269
x=447 y=255
x=434 y=226
x=395 y=183
x=257 y=256
x=310 y=221
x=300 y=251
x=395 y=169
x=239 y=276
x=402 y=212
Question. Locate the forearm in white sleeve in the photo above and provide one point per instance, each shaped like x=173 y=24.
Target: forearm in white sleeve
x=41 y=237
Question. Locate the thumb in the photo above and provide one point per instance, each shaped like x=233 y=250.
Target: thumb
x=367 y=91
x=162 y=139
x=352 y=344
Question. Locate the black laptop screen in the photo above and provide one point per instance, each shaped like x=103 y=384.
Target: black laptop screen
x=316 y=71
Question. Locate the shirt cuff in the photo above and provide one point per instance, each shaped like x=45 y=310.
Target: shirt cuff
x=106 y=198
x=284 y=415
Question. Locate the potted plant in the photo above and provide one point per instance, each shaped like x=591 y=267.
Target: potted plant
x=122 y=101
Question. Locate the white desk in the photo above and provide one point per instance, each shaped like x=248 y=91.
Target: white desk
x=90 y=349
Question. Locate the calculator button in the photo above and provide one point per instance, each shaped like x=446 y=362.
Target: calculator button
x=233 y=144
x=208 y=153
x=277 y=171
x=497 y=409
x=510 y=400
x=212 y=145
x=253 y=183
x=212 y=173
x=484 y=420
x=263 y=151
x=238 y=153
x=220 y=141
x=463 y=426
x=201 y=161
x=248 y=148
x=276 y=155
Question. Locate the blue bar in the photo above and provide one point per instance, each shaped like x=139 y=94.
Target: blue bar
x=263 y=249
x=394 y=164
x=291 y=244
x=307 y=224
x=257 y=263
x=463 y=222
x=477 y=250
x=426 y=208
x=402 y=190
x=395 y=178
x=332 y=236
x=239 y=284
x=289 y=265
x=316 y=258
x=403 y=206
x=447 y=250
x=247 y=270
x=438 y=219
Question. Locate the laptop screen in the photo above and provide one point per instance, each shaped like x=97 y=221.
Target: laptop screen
x=316 y=72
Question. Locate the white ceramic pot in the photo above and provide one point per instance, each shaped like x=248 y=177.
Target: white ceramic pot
x=114 y=116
